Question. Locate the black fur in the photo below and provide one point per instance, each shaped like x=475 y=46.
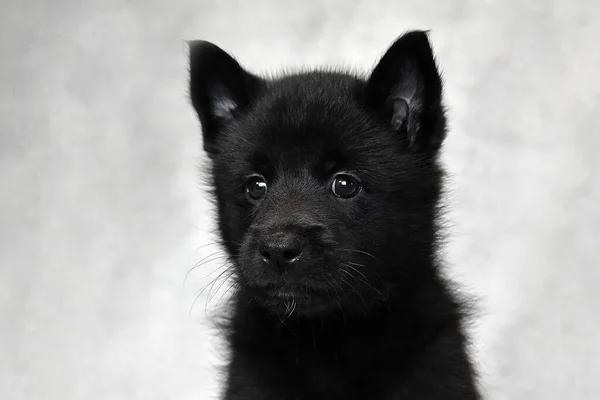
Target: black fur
x=362 y=312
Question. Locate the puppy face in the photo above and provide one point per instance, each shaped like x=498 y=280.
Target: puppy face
x=326 y=183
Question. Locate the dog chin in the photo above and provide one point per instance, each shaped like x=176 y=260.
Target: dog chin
x=285 y=300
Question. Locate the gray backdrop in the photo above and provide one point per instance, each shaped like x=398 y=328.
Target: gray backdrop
x=102 y=212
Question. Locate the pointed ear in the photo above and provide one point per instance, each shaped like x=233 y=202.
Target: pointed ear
x=405 y=89
x=220 y=89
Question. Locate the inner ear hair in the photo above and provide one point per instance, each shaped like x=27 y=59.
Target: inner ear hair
x=222 y=104
x=400 y=112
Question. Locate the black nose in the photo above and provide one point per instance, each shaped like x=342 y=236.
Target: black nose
x=280 y=249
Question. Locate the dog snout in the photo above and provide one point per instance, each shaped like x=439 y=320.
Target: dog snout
x=281 y=249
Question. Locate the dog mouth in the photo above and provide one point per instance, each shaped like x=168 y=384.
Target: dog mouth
x=310 y=288
x=284 y=291
x=288 y=300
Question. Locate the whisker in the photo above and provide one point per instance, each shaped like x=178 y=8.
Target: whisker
x=366 y=281
x=349 y=284
x=219 y=243
x=207 y=244
x=228 y=269
x=289 y=310
x=232 y=285
x=210 y=284
x=224 y=280
x=209 y=297
x=362 y=252
x=203 y=262
x=364 y=266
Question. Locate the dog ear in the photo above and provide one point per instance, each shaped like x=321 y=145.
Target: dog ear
x=405 y=88
x=220 y=89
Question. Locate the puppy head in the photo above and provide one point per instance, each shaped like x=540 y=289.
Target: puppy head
x=326 y=183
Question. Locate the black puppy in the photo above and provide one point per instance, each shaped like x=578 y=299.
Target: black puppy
x=327 y=187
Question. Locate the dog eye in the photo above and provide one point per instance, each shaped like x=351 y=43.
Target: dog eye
x=345 y=186
x=256 y=187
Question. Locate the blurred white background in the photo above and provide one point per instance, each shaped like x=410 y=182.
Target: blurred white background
x=102 y=213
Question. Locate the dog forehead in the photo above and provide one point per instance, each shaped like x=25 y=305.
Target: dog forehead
x=307 y=120
x=303 y=137
x=301 y=121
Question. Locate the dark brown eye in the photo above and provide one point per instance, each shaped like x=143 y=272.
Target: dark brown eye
x=256 y=187
x=345 y=186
